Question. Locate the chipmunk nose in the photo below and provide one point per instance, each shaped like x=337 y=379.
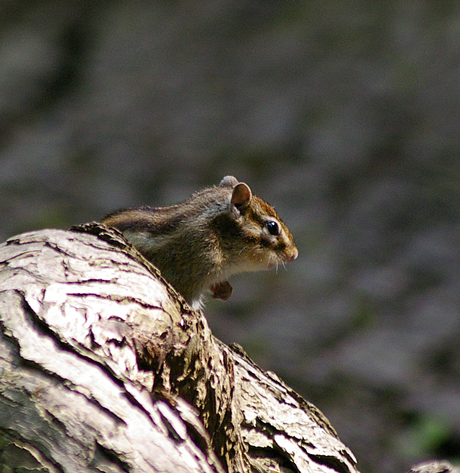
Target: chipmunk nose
x=295 y=253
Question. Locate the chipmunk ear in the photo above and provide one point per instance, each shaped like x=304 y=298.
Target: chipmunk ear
x=228 y=181
x=241 y=195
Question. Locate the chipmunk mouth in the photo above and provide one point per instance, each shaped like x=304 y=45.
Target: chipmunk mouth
x=290 y=255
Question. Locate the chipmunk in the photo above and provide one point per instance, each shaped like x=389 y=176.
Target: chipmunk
x=217 y=232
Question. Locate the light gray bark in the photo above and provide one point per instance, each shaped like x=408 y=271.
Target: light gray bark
x=103 y=367
x=434 y=466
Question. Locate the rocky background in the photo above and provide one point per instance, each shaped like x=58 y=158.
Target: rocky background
x=344 y=115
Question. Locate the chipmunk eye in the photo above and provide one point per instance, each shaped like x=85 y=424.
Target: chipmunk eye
x=273 y=227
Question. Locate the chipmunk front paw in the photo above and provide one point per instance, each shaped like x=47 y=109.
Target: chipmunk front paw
x=221 y=290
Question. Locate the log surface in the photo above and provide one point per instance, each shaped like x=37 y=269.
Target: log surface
x=104 y=367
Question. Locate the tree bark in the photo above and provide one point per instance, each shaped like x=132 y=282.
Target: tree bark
x=104 y=367
x=434 y=466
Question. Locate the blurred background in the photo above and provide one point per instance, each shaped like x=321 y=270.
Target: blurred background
x=343 y=115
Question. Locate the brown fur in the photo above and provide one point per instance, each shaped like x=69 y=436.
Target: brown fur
x=198 y=244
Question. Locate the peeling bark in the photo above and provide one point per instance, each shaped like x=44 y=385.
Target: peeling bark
x=104 y=367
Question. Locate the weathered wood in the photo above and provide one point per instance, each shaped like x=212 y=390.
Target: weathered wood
x=103 y=367
x=434 y=466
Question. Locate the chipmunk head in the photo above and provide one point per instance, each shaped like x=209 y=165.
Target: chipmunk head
x=217 y=232
x=259 y=238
